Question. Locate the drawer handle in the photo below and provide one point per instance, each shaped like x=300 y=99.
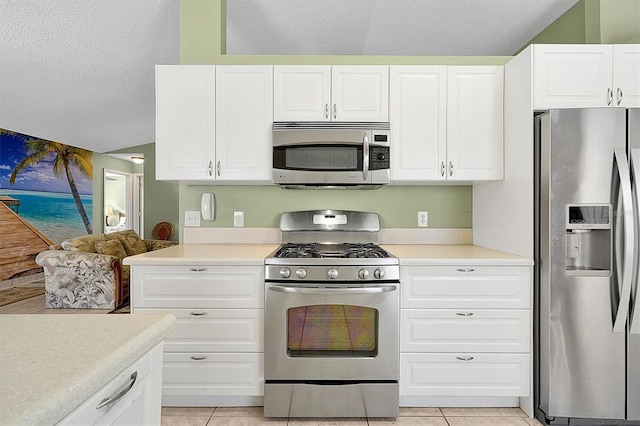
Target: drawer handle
x=198 y=314
x=122 y=392
x=464 y=358
x=197 y=269
x=464 y=270
x=198 y=357
x=464 y=314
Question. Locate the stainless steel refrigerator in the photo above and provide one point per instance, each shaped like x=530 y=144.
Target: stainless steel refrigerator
x=587 y=334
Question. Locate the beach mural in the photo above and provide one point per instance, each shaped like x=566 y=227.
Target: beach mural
x=51 y=182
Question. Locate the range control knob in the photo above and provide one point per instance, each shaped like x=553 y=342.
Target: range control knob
x=301 y=273
x=378 y=273
x=363 y=274
x=381 y=156
x=285 y=272
x=332 y=273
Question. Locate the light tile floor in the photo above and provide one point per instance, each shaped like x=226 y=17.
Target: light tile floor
x=250 y=416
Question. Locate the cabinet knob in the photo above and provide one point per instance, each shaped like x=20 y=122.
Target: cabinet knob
x=197 y=269
x=122 y=392
x=609 y=96
x=335 y=112
x=442 y=168
x=450 y=168
x=218 y=168
x=326 y=111
x=619 y=95
x=198 y=357
x=464 y=358
x=210 y=168
x=464 y=314
x=198 y=314
x=464 y=270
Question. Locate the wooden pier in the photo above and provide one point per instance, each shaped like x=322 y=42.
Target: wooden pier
x=20 y=243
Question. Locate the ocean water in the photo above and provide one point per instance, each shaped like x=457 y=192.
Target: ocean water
x=53 y=214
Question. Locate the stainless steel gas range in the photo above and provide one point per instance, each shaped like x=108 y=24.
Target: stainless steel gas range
x=331 y=318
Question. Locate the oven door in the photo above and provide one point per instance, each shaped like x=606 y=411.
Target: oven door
x=337 y=332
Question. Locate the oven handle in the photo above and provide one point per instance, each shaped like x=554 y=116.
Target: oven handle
x=333 y=291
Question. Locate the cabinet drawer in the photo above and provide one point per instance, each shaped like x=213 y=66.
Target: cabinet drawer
x=465 y=287
x=460 y=330
x=133 y=405
x=197 y=287
x=464 y=374
x=213 y=374
x=214 y=330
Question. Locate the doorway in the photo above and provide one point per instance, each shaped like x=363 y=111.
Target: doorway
x=123 y=206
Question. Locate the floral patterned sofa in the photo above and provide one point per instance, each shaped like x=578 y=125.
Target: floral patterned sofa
x=87 y=272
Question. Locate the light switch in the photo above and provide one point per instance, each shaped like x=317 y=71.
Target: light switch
x=191 y=218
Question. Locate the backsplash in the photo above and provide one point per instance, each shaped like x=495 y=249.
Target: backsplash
x=397 y=206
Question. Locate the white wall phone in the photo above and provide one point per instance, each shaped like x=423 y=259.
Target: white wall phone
x=208 y=206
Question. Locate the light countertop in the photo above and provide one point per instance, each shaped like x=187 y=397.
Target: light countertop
x=49 y=364
x=454 y=254
x=205 y=254
x=254 y=254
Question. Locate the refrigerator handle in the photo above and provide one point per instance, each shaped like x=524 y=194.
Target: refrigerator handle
x=634 y=322
x=620 y=318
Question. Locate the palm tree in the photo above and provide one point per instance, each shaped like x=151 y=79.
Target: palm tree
x=39 y=150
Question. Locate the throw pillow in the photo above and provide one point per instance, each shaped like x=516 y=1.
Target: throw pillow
x=112 y=248
x=132 y=244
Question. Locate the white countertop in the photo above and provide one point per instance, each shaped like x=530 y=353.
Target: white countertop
x=49 y=364
x=455 y=254
x=205 y=254
x=254 y=254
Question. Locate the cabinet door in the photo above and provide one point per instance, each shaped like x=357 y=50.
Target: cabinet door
x=466 y=287
x=360 y=93
x=244 y=115
x=465 y=330
x=464 y=374
x=626 y=75
x=572 y=76
x=418 y=122
x=197 y=287
x=225 y=374
x=185 y=126
x=214 y=330
x=301 y=92
x=474 y=123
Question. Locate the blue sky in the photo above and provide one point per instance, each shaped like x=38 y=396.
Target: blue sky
x=39 y=177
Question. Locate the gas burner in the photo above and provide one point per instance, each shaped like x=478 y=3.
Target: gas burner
x=331 y=251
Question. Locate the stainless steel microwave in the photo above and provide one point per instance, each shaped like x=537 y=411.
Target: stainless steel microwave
x=331 y=154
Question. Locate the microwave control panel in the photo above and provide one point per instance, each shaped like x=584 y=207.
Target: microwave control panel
x=378 y=157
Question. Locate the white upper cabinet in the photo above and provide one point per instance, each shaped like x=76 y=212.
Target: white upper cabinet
x=244 y=115
x=418 y=100
x=475 y=122
x=331 y=93
x=213 y=123
x=583 y=76
x=446 y=123
x=301 y=92
x=185 y=122
x=626 y=75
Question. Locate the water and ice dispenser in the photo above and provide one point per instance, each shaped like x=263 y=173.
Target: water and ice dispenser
x=588 y=239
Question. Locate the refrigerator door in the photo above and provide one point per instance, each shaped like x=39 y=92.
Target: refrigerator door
x=633 y=339
x=582 y=361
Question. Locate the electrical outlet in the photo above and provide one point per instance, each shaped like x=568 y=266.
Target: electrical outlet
x=423 y=219
x=191 y=218
x=238 y=219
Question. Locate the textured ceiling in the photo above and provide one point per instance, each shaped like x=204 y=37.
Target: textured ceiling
x=387 y=27
x=81 y=72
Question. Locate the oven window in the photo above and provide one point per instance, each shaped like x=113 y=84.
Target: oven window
x=332 y=330
x=319 y=158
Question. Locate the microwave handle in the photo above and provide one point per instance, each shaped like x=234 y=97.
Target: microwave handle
x=365 y=159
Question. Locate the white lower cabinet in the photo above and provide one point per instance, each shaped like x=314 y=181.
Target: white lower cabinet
x=465 y=331
x=131 y=398
x=215 y=354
